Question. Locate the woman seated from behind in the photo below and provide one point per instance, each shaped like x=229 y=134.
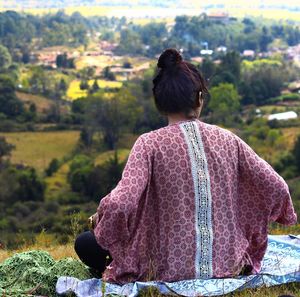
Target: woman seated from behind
x=194 y=200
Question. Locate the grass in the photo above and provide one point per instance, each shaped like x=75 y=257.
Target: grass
x=270 y=109
x=37 y=149
x=290 y=134
x=102 y=61
x=42 y=104
x=103 y=157
x=57 y=184
x=98 y=61
x=272 y=151
x=74 y=91
x=44 y=242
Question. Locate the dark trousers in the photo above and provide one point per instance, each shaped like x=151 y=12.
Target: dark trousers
x=90 y=252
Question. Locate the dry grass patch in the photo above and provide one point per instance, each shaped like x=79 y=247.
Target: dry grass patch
x=43 y=104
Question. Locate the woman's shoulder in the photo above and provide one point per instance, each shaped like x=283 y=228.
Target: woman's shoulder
x=160 y=133
x=173 y=132
x=164 y=136
x=210 y=130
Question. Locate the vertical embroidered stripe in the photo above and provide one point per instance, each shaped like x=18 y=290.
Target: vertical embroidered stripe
x=203 y=208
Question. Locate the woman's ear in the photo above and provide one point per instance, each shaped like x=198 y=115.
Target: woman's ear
x=200 y=100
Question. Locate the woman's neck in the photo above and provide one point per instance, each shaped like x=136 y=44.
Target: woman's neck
x=174 y=118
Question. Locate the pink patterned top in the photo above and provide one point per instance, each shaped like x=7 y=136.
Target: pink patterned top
x=194 y=201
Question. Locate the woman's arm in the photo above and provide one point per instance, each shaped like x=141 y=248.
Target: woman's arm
x=117 y=211
x=272 y=189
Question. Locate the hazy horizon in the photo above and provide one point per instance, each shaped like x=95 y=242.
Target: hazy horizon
x=292 y=4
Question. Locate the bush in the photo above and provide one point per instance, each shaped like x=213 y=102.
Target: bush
x=53 y=167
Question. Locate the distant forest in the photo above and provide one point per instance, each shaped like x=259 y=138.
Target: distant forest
x=22 y=32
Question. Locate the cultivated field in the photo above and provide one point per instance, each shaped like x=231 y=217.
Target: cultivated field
x=143 y=13
x=74 y=92
x=37 y=149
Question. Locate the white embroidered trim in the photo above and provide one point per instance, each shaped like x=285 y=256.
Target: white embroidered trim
x=203 y=208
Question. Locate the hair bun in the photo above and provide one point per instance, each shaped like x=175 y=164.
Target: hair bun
x=169 y=58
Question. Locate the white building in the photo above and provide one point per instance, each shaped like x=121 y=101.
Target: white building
x=289 y=115
x=249 y=53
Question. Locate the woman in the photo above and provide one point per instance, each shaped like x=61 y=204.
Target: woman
x=194 y=200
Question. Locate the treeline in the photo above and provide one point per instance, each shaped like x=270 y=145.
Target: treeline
x=23 y=31
x=193 y=34
x=235 y=34
x=20 y=32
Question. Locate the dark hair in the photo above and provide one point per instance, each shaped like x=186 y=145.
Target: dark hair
x=177 y=84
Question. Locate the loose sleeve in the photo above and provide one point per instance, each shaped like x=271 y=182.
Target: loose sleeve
x=273 y=193
x=118 y=210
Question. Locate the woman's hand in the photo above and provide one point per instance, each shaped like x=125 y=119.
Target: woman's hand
x=92 y=221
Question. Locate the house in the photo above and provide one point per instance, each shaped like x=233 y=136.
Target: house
x=221 y=49
x=218 y=16
x=294 y=87
x=129 y=73
x=197 y=59
x=206 y=52
x=249 y=53
x=107 y=46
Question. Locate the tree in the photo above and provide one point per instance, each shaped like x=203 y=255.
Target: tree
x=130 y=43
x=80 y=169
x=5 y=57
x=8 y=186
x=84 y=85
x=10 y=105
x=261 y=80
x=296 y=153
x=208 y=68
x=86 y=136
x=5 y=148
x=53 y=167
x=108 y=74
x=63 y=86
x=231 y=63
x=95 y=86
x=103 y=178
x=30 y=186
x=25 y=57
x=265 y=39
x=224 y=102
x=39 y=81
x=111 y=116
x=61 y=60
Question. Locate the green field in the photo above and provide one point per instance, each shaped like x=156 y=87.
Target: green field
x=37 y=149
